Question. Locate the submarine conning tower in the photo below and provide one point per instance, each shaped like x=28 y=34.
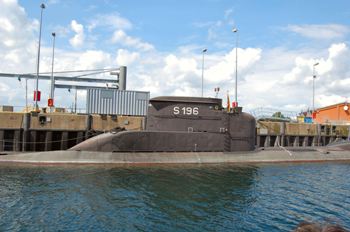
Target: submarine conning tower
x=182 y=124
x=225 y=131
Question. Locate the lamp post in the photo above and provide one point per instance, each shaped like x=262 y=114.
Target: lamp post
x=313 y=85
x=235 y=30
x=52 y=89
x=42 y=6
x=26 y=110
x=217 y=90
x=203 y=51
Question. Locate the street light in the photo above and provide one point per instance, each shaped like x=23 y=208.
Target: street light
x=313 y=86
x=52 y=89
x=42 y=6
x=235 y=30
x=203 y=51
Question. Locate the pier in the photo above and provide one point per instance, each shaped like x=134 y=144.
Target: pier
x=274 y=134
x=56 y=131
x=60 y=131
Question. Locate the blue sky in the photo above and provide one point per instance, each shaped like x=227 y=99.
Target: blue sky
x=161 y=43
x=172 y=23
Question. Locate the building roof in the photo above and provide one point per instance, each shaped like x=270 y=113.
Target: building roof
x=332 y=106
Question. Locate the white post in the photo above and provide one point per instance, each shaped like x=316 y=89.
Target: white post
x=42 y=6
x=313 y=86
x=235 y=30
x=203 y=51
x=52 y=89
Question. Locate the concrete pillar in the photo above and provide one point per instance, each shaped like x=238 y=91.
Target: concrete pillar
x=64 y=140
x=143 y=123
x=319 y=135
x=283 y=138
x=80 y=137
x=267 y=141
x=315 y=140
x=2 y=141
x=33 y=137
x=258 y=141
x=288 y=143
x=277 y=141
x=25 y=135
x=48 y=141
x=17 y=140
x=122 y=78
x=282 y=128
x=296 y=141
x=306 y=141
x=88 y=126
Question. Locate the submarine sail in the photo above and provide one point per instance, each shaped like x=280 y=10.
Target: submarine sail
x=182 y=124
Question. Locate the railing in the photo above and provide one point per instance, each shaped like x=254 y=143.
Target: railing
x=262 y=112
x=70 y=110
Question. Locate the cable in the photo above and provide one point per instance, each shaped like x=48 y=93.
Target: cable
x=283 y=148
x=75 y=71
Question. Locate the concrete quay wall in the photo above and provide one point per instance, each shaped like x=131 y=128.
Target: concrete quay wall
x=54 y=131
x=60 y=131
x=274 y=134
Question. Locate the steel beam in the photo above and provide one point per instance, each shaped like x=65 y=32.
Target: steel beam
x=58 y=78
x=62 y=86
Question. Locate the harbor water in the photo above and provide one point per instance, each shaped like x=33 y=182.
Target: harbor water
x=264 y=197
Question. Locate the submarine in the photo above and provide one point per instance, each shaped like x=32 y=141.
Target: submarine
x=182 y=124
x=183 y=130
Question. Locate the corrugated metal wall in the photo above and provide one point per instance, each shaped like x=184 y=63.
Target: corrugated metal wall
x=117 y=102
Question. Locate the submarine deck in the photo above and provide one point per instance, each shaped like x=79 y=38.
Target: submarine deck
x=259 y=156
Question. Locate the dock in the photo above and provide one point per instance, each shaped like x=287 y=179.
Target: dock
x=26 y=132
x=22 y=132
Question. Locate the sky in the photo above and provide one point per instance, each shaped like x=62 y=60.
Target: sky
x=161 y=43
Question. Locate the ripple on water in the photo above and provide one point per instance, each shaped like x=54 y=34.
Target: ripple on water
x=173 y=198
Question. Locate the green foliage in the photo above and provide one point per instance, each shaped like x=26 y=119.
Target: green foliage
x=278 y=115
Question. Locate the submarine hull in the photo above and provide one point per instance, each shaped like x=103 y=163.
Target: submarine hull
x=141 y=158
x=159 y=141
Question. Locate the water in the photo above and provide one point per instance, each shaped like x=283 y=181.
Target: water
x=173 y=198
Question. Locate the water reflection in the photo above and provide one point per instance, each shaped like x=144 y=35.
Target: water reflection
x=172 y=198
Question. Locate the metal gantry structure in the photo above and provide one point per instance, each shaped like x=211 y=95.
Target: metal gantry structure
x=69 y=82
x=268 y=113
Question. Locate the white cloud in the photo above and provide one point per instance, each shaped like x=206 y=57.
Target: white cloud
x=331 y=99
x=78 y=39
x=53 y=2
x=314 y=31
x=274 y=77
x=126 y=58
x=17 y=33
x=294 y=87
x=4 y=88
x=223 y=67
x=175 y=66
x=122 y=38
x=62 y=31
x=114 y=21
x=228 y=13
x=92 y=59
x=6 y=25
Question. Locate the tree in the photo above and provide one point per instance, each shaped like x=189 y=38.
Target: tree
x=278 y=115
